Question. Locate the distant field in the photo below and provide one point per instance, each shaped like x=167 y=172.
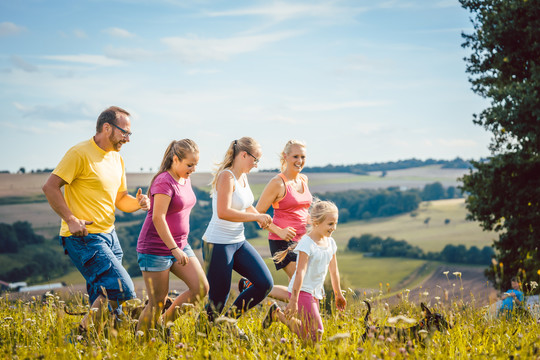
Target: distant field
x=359 y=272
x=30 y=184
x=431 y=237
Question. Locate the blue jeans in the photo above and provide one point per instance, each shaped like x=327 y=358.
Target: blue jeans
x=98 y=257
x=220 y=260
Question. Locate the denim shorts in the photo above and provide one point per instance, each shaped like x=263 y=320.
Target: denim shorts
x=149 y=262
x=98 y=257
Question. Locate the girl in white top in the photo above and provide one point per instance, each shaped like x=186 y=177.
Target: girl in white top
x=316 y=255
x=225 y=246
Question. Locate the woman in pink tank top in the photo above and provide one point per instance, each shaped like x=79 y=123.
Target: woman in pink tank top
x=289 y=195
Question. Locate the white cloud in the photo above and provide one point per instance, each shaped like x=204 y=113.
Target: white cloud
x=80 y=34
x=202 y=71
x=85 y=59
x=66 y=112
x=281 y=11
x=195 y=49
x=118 y=32
x=337 y=105
x=23 y=127
x=9 y=28
x=128 y=54
x=20 y=63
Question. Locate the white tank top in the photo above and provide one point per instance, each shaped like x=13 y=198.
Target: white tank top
x=221 y=231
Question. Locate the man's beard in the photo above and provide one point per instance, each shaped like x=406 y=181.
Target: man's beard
x=117 y=144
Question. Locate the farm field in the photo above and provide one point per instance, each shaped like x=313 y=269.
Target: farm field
x=30 y=184
x=358 y=272
x=429 y=237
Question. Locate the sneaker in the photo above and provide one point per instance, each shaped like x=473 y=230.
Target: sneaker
x=269 y=318
x=227 y=323
x=244 y=284
x=239 y=333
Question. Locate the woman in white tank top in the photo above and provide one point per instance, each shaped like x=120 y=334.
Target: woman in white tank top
x=225 y=246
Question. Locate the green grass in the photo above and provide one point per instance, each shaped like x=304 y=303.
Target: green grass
x=37 y=329
x=431 y=237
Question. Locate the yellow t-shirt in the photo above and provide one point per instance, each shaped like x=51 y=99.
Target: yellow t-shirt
x=94 y=178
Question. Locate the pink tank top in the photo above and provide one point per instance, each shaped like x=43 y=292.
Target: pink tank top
x=292 y=210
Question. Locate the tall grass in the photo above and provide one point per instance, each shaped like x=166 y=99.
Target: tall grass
x=38 y=328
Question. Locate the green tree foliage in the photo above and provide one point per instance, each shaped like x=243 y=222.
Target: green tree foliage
x=378 y=247
x=504 y=66
x=8 y=239
x=13 y=237
x=433 y=191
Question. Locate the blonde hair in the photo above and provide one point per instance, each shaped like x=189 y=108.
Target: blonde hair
x=287 y=151
x=236 y=147
x=181 y=149
x=318 y=212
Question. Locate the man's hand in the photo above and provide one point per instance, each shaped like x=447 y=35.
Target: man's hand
x=143 y=200
x=77 y=227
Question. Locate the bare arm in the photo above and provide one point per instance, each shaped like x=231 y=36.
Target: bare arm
x=128 y=203
x=53 y=192
x=161 y=205
x=336 y=283
x=301 y=268
x=225 y=188
x=274 y=191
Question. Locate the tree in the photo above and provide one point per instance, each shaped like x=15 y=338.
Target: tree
x=504 y=191
x=433 y=191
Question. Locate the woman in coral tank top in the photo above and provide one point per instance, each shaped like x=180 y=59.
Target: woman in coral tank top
x=289 y=195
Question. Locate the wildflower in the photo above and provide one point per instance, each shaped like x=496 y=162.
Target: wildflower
x=139 y=333
x=437 y=298
x=283 y=340
x=425 y=293
x=446 y=273
x=8 y=318
x=534 y=285
x=456 y=273
x=388 y=339
x=381 y=337
x=392 y=354
x=360 y=350
x=180 y=345
x=402 y=350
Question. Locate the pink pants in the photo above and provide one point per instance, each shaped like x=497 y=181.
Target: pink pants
x=308 y=313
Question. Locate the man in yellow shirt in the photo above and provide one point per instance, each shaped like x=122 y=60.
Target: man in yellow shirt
x=94 y=180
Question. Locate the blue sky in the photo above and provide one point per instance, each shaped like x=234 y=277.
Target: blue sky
x=358 y=81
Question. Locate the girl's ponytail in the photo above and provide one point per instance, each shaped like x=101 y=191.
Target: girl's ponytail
x=281 y=255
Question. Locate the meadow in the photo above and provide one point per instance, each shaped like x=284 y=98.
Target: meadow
x=38 y=328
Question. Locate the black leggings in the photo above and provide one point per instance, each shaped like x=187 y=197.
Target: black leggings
x=220 y=260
